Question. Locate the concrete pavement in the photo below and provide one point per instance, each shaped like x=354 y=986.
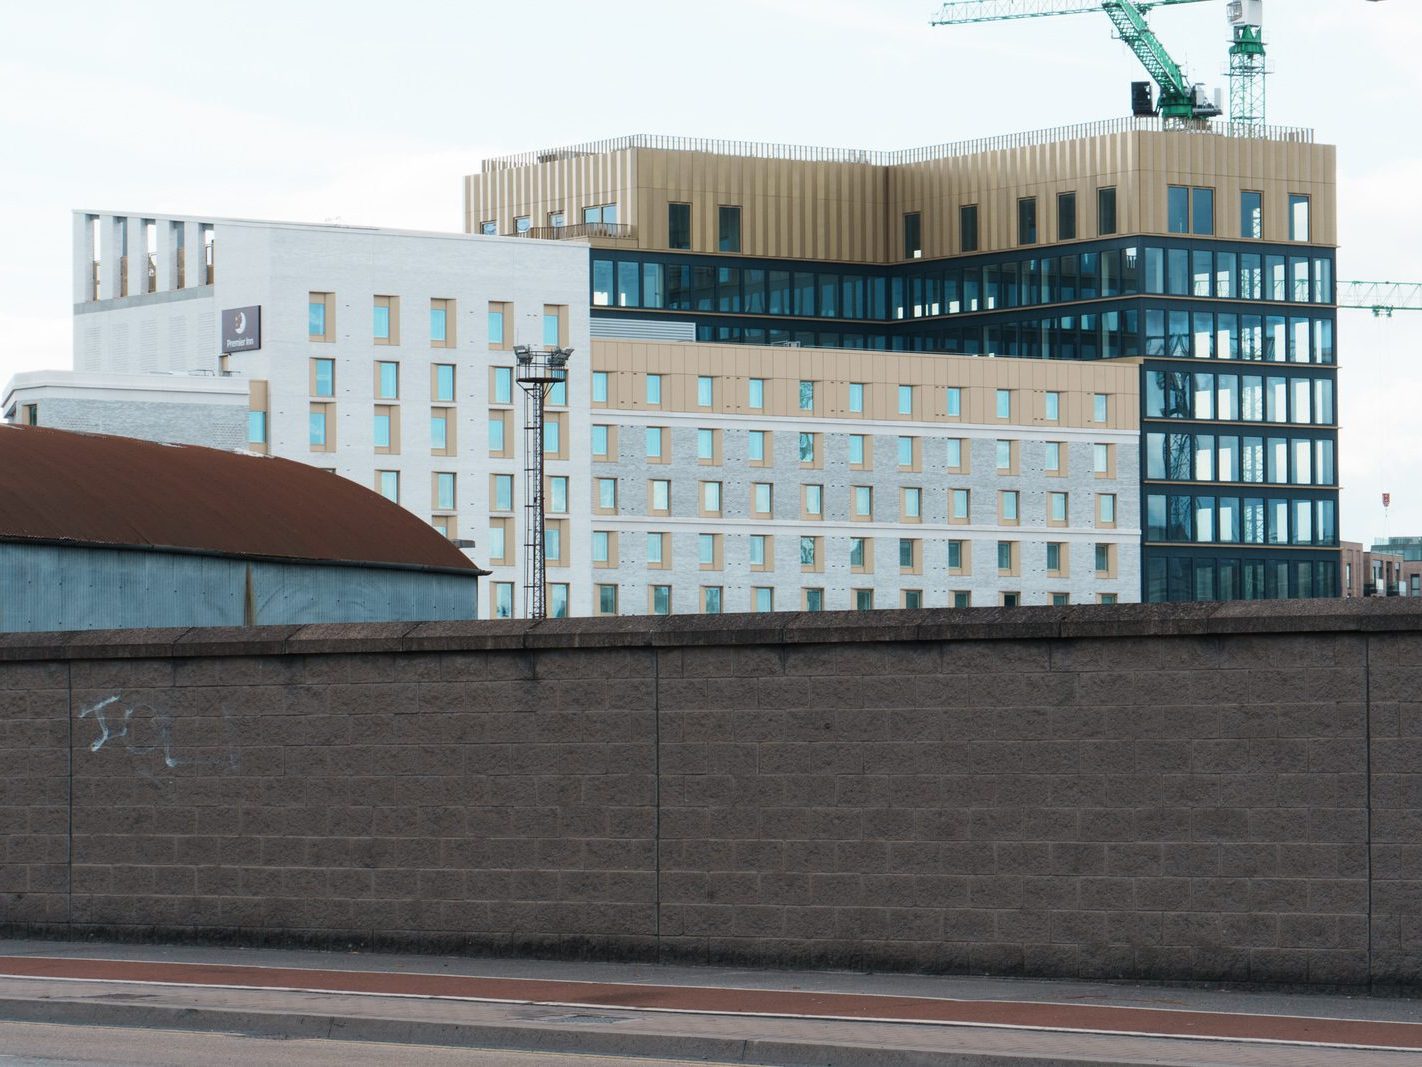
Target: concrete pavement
x=706 y=1014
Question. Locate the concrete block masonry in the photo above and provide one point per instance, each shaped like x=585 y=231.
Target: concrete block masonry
x=1220 y=792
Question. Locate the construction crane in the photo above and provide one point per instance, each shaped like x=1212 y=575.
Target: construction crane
x=1381 y=298
x=1179 y=99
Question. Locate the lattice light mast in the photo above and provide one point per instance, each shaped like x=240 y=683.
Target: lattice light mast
x=537 y=372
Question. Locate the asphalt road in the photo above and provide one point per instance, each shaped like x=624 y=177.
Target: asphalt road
x=54 y=1045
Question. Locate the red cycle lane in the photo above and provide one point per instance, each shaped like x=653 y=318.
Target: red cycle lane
x=1084 y=1018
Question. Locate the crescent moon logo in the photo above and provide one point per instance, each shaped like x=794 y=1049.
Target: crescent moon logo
x=241 y=324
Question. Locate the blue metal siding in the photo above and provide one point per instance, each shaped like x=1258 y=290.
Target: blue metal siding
x=53 y=587
x=290 y=593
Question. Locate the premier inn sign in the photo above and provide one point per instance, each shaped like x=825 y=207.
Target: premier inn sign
x=242 y=330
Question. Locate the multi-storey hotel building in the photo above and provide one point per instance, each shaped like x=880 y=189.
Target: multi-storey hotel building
x=681 y=476
x=1207 y=256
x=1088 y=365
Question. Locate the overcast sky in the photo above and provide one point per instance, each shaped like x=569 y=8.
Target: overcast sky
x=365 y=112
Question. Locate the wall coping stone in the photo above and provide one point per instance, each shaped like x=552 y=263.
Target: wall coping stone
x=1370 y=615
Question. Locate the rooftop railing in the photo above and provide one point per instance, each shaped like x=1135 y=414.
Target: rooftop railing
x=579 y=229
x=814 y=154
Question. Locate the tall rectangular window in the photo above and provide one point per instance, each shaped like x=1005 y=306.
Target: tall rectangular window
x=552 y=326
x=387 y=484
x=444 y=382
x=256 y=427
x=755 y=393
x=497 y=315
x=599 y=386
x=1027 y=220
x=968 y=228
x=1066 y=216
x=728 y=228
x=441 y=323
x=807 y=396
x=503 y=600
x=1052 y=406
x=439 y=430
x=387 y=380
x=444 y=490
x=1178 y=208
x=654 y=389
x=755 y=446
x=1251 y=214
x=954 y=405
x=1299 y=223
x=856 y=397
x=905 y=400
x=323 y=377
x=316 y=318
x=679 y=226
x=503 y=492
x=1004 y=403
x=1100 y=407
x=705 y=389
x=913 y=235
x=502 y=392
x=1202 y=210
x=1106 y=210
x=386 y=320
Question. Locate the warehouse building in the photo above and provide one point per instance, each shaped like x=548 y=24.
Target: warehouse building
x=101 y=532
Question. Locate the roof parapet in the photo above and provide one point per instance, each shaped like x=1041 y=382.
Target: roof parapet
x=899 y=157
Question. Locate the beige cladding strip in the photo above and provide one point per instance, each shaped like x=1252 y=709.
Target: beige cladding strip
x=853 y=212
x=833 y=369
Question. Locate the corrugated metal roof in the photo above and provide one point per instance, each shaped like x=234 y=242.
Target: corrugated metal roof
x=93 y=489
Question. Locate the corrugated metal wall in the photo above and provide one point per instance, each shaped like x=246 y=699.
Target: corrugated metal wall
x=52 y=587
x=287 y=593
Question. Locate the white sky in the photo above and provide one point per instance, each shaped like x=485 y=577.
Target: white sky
x=368 y=112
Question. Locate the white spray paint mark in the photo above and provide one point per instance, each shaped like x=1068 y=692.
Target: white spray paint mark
x=128 y=732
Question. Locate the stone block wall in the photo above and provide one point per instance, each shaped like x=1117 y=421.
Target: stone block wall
x=1203 y=793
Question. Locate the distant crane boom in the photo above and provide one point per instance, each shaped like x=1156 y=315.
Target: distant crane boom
x=1179 y=100
x=961 y=12
x=1381 y=298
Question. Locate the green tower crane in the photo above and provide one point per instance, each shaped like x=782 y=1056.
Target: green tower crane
x=1179 y=100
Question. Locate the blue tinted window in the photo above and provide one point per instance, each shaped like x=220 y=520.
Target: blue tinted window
x=1203 y=210
x=325 y=375
x=1178 y=209
x=257 y=427
x=438 y=324
x=444 y=381
x=316 y=322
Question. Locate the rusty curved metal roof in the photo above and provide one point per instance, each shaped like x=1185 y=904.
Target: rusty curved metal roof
x=93 y=489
